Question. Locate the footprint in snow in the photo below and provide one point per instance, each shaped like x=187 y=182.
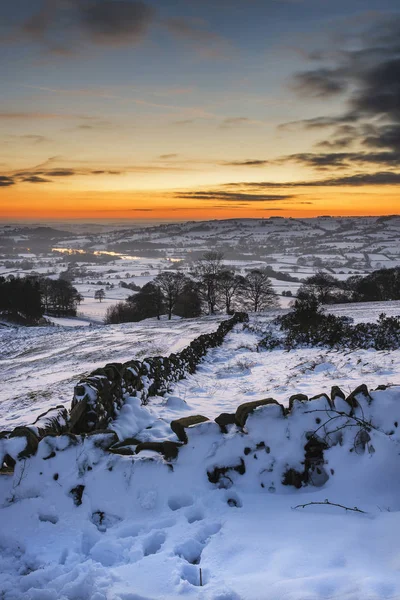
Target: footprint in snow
x=194 y=514
x=177 y=502
x=190 y=551
x=194 y=575
x=153 y=543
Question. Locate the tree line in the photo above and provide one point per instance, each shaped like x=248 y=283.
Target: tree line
x=26 y=299
x=379 y=286
x=210 y=287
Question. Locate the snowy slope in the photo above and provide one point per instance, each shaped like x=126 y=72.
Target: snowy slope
x=39 y=366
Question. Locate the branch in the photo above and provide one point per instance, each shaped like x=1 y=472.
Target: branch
x=346 y=508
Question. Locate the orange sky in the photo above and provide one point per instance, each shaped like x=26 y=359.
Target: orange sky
x=33 y=203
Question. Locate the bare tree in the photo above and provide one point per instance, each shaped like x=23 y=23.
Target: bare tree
x=259 y=290
x=229 y=284
x=207 y=271
x=99 y=295
x=171 y=286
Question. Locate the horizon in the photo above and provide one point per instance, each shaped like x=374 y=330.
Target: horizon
x=191 y=111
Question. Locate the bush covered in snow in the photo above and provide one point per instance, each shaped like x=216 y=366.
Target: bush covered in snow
x=307 y=325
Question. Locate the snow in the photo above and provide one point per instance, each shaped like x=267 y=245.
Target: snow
x=144 y=529
x=39 y=366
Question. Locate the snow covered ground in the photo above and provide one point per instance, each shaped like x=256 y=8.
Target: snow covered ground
x=39 y=366
x=143 y=530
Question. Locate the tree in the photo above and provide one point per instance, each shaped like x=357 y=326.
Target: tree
x=20 y=298
x=259 y=291
x=171 y=286
x=323 y=284
x=188 y=303
x=207 y=272
x=99 y=295
x=228 y=285
x=149 y=302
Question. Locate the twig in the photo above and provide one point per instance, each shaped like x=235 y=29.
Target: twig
x=355 y=509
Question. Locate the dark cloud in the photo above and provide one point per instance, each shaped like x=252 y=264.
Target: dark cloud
x=321 y=83
x=35 y=179
x=368 y=74
x=168 y=156
x=106 y=22
x=116 y=21
x=343 y=159
x=231 y=196
x=247 y=163
x=358 y=180
x=6 y=181
x=60 y=173
x=102 y=172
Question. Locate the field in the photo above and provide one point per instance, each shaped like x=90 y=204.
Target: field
x=294 y=248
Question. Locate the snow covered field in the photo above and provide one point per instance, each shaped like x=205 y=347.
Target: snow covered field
x=144 y=530
x=39 y=366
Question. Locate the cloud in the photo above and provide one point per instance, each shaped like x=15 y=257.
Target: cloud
x=6 y=181
x=168 y=156
x=367 y=73
x=35 y=179
x=231 y=196
x=357 y=180
x=115 y=21
x=342 y=159
x=60 y=172
x=103 y=172
x=247 y=163
x=321 y=83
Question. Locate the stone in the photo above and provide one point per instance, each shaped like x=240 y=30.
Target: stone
x=244 y=410
x=225 y=419
x=179 y=425
x=298 y=398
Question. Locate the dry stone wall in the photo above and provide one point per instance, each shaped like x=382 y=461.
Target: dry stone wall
x=99 y=396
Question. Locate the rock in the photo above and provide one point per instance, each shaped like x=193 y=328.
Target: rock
x=168 y=449
x=77 y=415
x=298 y=398
x=32 y=441
x=293 y=477
x=219 y=475
x=326 y=397
x=179 y=425
x=54 y=421
x=131 y=441
x=103 y=439
x=243 y=411
x=361 y=390
x=225 y=419
x=336 y=392
x=76 y=493
x=123 y=450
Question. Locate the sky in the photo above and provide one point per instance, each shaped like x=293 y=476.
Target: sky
x=199 y=109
